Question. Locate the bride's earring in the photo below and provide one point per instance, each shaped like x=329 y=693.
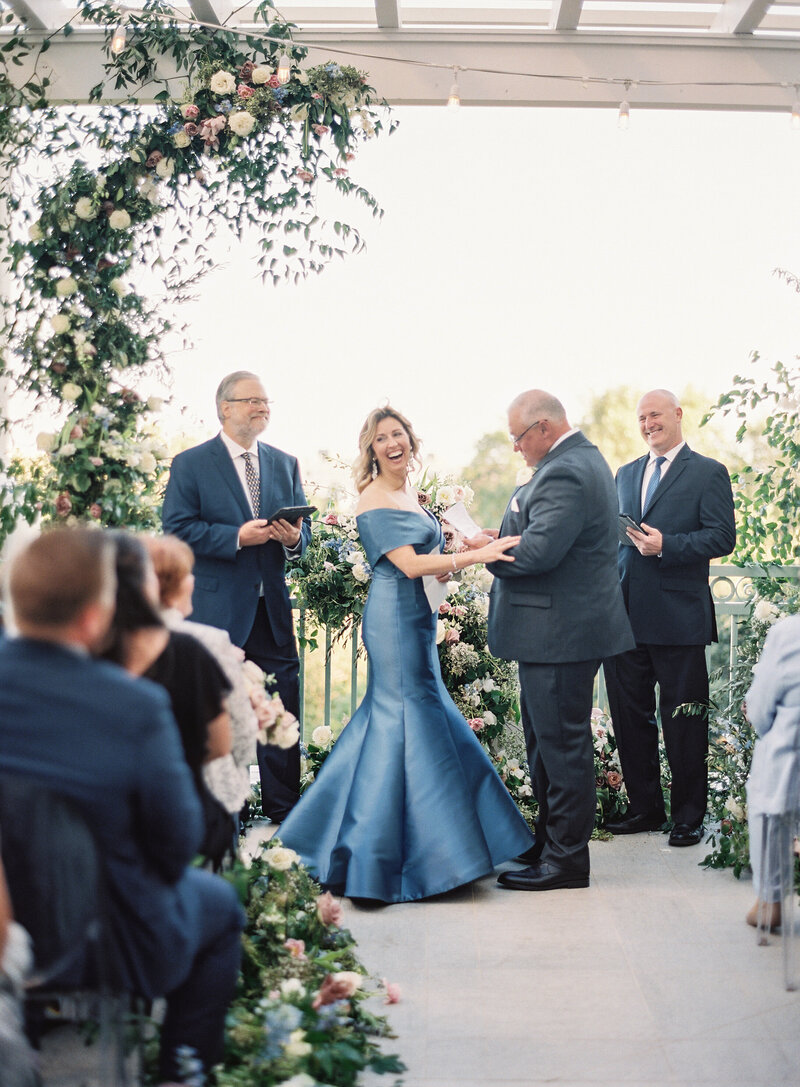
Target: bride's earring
x=374 y=469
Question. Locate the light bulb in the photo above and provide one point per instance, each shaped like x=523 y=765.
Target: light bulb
x=454 y=98
x=796 y=114
x=623 y=119
x=118 y=39
x=284 y=68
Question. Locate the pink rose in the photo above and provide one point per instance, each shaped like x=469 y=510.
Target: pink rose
x=452 y=636
x=476 y=723
x=444 y=608
x=95 y=510
x=304 y=175
x=340 y=172
x=153 y=159
x=190 y=112
x=329 y=911
x=614 y=779
x=296 y=948
x=316 y=95
x=273 y=82
x=190 y=128
x=320 y=130
x=330 y=991
x=63 y=504
x=392 y=990
x=330 y=519
x=349 y=156
x=244 y=91
x=96 y=461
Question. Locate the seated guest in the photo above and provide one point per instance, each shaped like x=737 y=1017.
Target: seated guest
x=192 y=678
x=109 y=743
x=772 y=706
x=227 y=777
x=17 y=1060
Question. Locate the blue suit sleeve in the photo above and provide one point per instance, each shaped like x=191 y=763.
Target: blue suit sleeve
x=181 y=516
x=716 y=534
x=169 y=819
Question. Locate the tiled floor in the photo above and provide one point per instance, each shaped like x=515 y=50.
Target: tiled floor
x=648 y=978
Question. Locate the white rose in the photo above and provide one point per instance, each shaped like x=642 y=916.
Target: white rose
x=321 y=736
x=67 y=223
x=735 y=808
x=165 y=168
x=46 y=442
x=67 y=450
x=446 y=495
x=765 y=612
x=133 y=459
x=66 y=286
x=119 y=219
x=524 y=790
x=59 y=323
x=488 y=683
x=180 y=139
x=281 y=859
x=297 y=1046
x=441 y=630
x=490 y=719
x=35 y=231
x=360 y=573
x=242 y=123
x=119 y=287
x=260 y=75
x=85 y=209
x=222 y=83
x=71 y=391
x=148 y=462
x=154 y=403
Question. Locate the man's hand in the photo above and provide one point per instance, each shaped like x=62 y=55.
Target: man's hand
x=648 y=542
x=485 y=536
x=253 y=533
x=285 y=532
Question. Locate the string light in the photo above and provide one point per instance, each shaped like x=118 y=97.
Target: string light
x=624 y=116
x=118 y=39
x=284 y=68
x=454 y=98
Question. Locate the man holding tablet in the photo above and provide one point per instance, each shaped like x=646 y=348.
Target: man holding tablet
x=239 y=504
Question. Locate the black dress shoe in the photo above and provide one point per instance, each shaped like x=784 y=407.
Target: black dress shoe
x=531 y=854
x=636 y=824
x=683 y=834
x=542 y=877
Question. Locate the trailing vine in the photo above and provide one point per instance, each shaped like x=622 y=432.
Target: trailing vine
x=227 y=145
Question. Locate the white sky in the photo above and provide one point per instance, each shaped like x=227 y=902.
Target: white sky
x=519 y=248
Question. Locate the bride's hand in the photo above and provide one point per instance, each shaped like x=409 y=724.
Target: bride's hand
x=496 y=550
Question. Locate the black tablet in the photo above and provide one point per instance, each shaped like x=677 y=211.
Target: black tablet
x=626 y=522
x=291 y=513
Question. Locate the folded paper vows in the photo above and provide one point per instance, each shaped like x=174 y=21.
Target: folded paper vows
x=461 y=521
x=436 y=591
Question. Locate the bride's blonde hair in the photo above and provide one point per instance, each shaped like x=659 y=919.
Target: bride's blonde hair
x=364 y=469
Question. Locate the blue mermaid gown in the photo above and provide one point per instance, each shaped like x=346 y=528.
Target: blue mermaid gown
x=407 y=805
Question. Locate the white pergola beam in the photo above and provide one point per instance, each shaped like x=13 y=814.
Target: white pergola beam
x=39 y=14
x=565 y=14
x=387 y=13
x=206 y=11
x=740 y=16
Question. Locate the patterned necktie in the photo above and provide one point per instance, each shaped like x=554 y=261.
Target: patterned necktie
x=655 y=479
x=253 y=485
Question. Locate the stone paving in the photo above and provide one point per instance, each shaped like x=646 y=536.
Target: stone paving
x=647 y=978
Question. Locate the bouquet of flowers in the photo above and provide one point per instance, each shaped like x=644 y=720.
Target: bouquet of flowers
x=276 y=725
x=315 y=753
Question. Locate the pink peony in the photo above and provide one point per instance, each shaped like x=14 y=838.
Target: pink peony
x=452 y=636
x=190 y=112
x=329 y=911
x=296 y=948
x=320 y=130
x=153 y=159
x=476 y=723
x=330 y=519
x=63 y=504
x=349 y=156
x=336 y=987
x=244 y=91
x=190 y=128
x=444 y=608
x=95 y=510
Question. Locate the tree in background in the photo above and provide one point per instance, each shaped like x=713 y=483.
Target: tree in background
x=492 y=474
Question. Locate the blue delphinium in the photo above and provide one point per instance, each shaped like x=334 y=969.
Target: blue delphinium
x=190 y=1067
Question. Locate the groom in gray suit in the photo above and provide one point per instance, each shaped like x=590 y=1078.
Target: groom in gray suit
x=558 y=610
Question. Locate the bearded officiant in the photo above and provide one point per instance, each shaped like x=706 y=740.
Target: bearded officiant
x=220 y=499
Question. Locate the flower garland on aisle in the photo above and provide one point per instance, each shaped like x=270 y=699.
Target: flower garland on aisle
x=238 y=147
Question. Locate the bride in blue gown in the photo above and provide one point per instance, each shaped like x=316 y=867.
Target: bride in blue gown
x=407 y=805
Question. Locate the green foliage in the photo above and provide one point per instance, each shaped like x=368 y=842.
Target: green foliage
x=766 y=489
x=492 y=474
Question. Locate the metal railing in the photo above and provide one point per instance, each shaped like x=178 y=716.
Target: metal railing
x=732 y=588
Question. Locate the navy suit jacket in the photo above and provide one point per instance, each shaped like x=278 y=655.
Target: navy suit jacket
x=92 y=733
x=668 y=598
x=560 y=600
x=205 y=505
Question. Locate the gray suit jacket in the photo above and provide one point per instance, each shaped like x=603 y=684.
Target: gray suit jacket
x=560 y=600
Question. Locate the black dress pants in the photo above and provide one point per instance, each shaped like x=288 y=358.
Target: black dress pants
x=279 y=768
x=682 y=676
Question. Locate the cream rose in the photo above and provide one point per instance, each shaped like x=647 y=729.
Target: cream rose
x=222 y=83
x=59 y=323
x=66 y=286
x=70 y=391
x=242 y=123
x=148 y=462
x=180 y=139
x=35 y=231
x=321 y=736
x=67 y=449
x=297 y=1046
x=154 y=403
x=280 y=858
x=85 y=208
x=119 y=219
x=45 y=441
x=165 y=168
x=119 y=287
x=260 y=75
x=299 y=113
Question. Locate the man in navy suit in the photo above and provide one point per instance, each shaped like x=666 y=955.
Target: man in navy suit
x=685 y=505
x=218 y=499
x=557 y=610
x=92 y=733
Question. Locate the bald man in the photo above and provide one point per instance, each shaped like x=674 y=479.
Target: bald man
x=684 y=504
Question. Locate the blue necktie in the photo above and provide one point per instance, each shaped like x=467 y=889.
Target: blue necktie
x=655 y=479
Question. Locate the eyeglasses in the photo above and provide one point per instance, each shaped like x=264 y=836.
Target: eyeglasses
x=519 y=438
x=253 y=401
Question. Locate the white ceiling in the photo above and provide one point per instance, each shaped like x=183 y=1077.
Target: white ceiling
x=740 y=54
